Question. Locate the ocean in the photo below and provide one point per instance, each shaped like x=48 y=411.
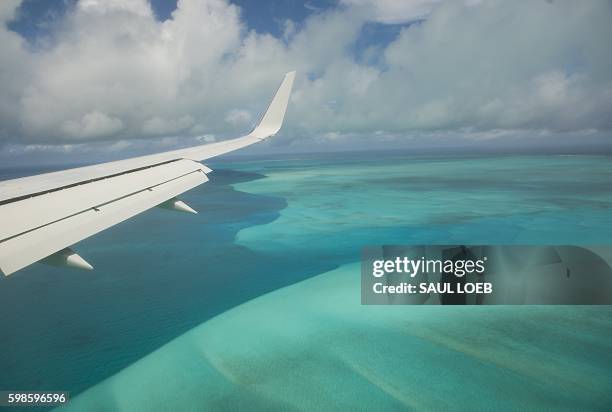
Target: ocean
x=251 y=302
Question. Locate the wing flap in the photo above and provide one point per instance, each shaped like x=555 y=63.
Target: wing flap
x=25 y=248
x=18 y=217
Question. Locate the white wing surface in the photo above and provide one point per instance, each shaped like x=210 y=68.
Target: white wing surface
x=42 y=216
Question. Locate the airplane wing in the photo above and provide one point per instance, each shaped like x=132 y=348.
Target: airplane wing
x=42 y=216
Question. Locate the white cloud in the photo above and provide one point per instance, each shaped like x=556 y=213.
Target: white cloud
x=64 y=148
x=118 y=146
x=238 y=117
x=8 y=9
x=168 y=141
x=159 y=125
x=92 y=124
x=333 y=135
x=393 y=11
x=113 y=72
x=139 y=7
x=207 y=138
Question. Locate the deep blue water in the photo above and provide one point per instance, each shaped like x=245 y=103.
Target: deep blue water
x=264 y=224
x=155 y=277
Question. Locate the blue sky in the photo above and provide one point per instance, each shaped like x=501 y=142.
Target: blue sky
x=264 y=16
x=106 y=78
x=35 y=18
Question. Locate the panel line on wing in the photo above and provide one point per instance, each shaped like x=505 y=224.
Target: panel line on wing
x=98 y=206
x=83 y=182
x=28 y=248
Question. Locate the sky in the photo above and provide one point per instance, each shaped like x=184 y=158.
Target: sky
x=104 y=79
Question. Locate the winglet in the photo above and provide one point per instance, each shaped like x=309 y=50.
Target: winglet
x=272 y=120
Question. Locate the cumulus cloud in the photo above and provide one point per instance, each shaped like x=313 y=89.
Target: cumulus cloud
x=137 y=7
x=113 y=72
x=159 y=125
x=92 y=124
x=207 y=138
x=238 y=117
x=393 y=11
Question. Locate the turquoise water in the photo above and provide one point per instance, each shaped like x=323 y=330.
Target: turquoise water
x=312 y=346
x=267 y=224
